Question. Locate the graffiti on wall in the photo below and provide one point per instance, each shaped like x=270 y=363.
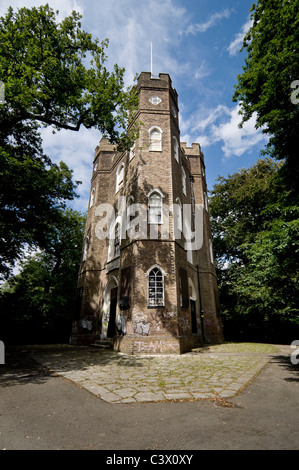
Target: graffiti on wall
x=155 y=346
x=142 y=328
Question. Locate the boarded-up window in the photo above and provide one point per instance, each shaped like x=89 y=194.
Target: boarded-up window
x=125 y=288
x=184 y=288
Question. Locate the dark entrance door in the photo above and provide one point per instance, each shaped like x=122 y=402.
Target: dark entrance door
x=113 y=303
x=193 y=316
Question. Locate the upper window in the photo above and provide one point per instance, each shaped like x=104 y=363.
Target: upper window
x=184 y=181
x=175 y=148
x=120 y=177
x=114 y=240
x=155 y=287
x=178 y=218
x=117 y=240
x=155 y=139
x=85 y=248
x=211 y=251
x=155 y=208
x=91 y=202
x=155 y=100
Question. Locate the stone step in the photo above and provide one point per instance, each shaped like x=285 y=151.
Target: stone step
x=105 y=343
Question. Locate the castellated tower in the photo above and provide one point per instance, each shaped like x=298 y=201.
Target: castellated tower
x=147 y=278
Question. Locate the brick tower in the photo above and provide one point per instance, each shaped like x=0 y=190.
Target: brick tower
x=147 y=277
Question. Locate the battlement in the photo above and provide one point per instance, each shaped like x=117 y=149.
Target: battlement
x=195 y=149
x=162 y=81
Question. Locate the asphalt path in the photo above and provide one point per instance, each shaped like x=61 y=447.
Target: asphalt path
x=41 y=411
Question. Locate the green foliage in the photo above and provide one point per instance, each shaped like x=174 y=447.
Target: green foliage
x=43 y=66
x=264 y=87
x=54 y=74
x=37 y=305
x=255 y=221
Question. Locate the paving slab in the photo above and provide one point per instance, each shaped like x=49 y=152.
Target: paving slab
x=214 y=372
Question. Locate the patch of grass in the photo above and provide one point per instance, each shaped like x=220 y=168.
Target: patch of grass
x=262 y=348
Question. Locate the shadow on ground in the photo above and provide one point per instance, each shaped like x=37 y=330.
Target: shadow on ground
x=291 y=369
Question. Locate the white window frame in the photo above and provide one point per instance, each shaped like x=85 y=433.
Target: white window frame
x=178 y=217
x=211 y=251
x=120 y=172
x=175 y=148
x=85 y=248
x=92 y=195
x=114 y=239
x=156 y=288
x=159 y=208
x=184 y=181
x=155 y=145
x=155 y=100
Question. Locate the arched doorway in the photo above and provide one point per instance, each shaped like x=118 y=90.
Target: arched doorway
x=109 y=309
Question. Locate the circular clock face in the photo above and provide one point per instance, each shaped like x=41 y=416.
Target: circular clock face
x=155 y=100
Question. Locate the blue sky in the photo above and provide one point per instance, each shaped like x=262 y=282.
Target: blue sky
x=197 y=42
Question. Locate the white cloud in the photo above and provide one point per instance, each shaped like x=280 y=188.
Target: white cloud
x=236 y=44
x=76 y=149
x=220 y=125
x=132 y=26
x=212 y=20
x=203 y=71
x=65 y=8
x=236 y=140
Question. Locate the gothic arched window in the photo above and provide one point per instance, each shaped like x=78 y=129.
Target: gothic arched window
x=155 y=208
x=155 y=139
x=156 y=287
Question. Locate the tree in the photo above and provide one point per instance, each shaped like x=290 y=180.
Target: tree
x=42 y=65
x=271 y=69
x=255 y=226
x=37 y=305
x=54 y=74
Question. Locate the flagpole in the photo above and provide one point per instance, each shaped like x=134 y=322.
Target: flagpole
x=151 y=59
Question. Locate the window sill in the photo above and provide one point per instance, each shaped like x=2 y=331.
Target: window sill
x=156 y=306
